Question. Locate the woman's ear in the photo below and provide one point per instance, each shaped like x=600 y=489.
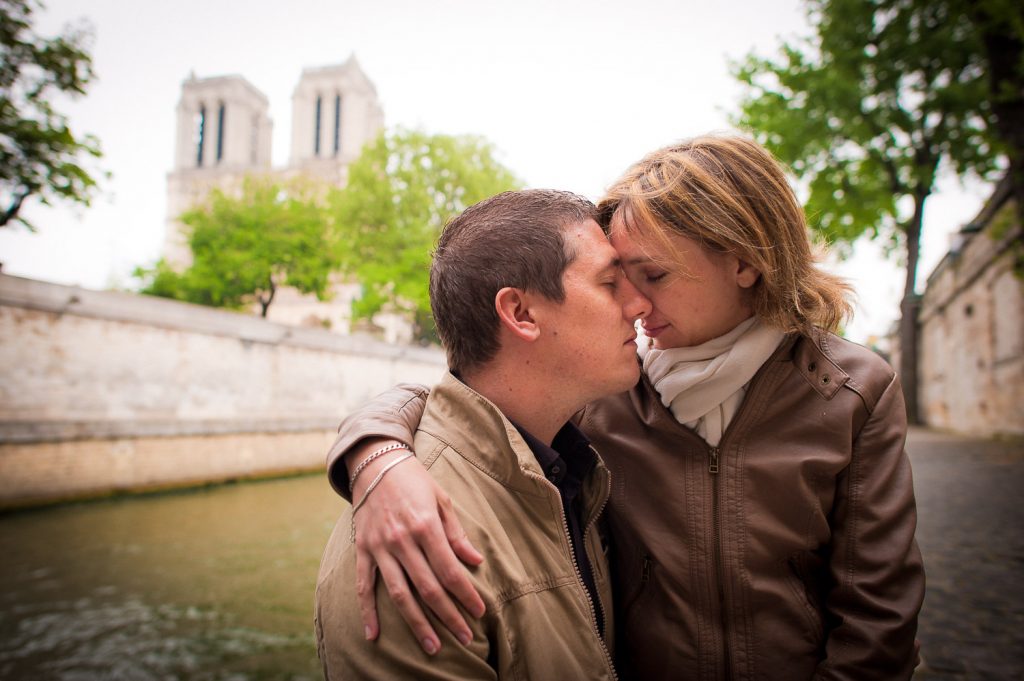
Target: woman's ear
x=515 y=315
x=746 y=274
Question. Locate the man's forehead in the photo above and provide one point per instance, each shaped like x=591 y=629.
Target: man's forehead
x=589 y=245
x=585 y=231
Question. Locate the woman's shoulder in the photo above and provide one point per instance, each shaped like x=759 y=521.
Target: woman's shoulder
x=834 y=363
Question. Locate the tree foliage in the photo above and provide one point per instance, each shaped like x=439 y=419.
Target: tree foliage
x=39 y=154
x=400 y=192
x=245 y=247
x=868 y=111
x=1000 y=26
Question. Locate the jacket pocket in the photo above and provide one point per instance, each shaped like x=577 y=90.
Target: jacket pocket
x=632 y=611
x=802 y=573
x=633 y=585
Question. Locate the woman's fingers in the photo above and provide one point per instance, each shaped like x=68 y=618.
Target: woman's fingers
x=408 y=529
x=398 y=590
x=453 y=577
x=366 y=581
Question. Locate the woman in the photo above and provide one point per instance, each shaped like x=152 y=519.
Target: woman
x=762 y=513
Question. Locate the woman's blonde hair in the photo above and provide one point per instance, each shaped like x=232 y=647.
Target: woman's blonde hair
x=730 y=195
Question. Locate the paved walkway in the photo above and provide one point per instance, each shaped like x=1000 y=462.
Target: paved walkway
x=970 y=501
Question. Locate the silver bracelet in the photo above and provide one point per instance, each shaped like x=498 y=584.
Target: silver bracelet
x=373 y=486
x=366 y=462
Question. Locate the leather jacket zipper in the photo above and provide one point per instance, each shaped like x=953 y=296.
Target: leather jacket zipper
x=754 y=388
x=714 y=466
x=713 y=453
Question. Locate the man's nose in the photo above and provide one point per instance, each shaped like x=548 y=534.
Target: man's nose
x=635 y=305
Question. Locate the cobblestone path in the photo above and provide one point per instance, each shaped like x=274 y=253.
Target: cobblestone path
x=970 y=500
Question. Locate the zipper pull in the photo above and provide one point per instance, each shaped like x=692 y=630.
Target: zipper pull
x=713 y=463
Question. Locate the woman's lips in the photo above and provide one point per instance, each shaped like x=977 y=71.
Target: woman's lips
x=654 y=331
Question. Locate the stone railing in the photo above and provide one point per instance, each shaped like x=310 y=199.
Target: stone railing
x=105 y=392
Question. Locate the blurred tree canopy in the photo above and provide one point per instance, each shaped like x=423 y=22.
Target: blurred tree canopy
x=39 y=155
x=868 y=111
x=379 y=230
x=1000 y=27
x=401 y=190
x=245 y=247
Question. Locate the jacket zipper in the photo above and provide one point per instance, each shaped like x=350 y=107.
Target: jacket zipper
x=576 y=567
x=713 y=453
x=714 y=461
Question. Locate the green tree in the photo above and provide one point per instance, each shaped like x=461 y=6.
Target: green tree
x=401 y=190
x=1000 y=26
x=39 y=155
x=885 y=96
x=245 y=247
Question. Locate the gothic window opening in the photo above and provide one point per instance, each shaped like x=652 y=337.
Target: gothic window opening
x=316 y=126
x=337 y=124
x=220 y=132
x=200 y=135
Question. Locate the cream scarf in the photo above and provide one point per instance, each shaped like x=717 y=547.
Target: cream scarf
x=704 y=385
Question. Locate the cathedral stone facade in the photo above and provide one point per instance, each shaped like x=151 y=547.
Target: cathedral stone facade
x=224 y=134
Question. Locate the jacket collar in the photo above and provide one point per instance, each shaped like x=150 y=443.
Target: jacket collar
x=472 y=425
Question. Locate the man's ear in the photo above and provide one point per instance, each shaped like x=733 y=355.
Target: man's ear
x=746 y=274
x=515 y=315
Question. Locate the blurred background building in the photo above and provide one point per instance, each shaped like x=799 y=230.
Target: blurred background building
x=223 y=135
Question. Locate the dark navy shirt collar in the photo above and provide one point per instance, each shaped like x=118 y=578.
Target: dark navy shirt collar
x=570 y=449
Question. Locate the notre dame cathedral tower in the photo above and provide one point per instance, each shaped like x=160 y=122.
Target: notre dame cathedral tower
x=224 y=133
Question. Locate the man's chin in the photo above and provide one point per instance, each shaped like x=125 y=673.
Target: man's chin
x=630 y=377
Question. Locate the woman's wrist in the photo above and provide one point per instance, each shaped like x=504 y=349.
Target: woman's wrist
x=372 y=461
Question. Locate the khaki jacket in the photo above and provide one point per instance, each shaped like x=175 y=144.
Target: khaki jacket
x=540 y=623
x=785 y=553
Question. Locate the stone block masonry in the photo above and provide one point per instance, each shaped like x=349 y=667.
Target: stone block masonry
x=104 y=392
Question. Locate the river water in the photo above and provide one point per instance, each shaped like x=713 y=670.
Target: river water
x=210 y=584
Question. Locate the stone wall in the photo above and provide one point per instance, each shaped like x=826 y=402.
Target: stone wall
x=105 y=392
x=972 y=330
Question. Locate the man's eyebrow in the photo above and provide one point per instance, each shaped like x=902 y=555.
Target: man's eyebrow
x=613 y=264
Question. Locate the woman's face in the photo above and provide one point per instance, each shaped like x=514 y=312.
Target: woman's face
x=707 y=298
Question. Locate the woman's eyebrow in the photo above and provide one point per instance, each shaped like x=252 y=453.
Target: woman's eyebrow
x=638 y=260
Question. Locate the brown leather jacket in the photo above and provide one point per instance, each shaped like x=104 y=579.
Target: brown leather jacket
x=540 y=621
x=785 y=553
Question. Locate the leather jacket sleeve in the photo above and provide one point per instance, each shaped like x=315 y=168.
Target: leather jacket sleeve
x=393 y=414
x=875 y=565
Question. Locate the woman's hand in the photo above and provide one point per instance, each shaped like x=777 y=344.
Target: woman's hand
x=408 y=530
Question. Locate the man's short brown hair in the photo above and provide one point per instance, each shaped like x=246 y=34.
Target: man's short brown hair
x=511 y=239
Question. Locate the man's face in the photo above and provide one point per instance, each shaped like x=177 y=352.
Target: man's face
x=589 y=338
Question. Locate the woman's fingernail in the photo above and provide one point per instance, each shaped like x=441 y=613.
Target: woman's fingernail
x=429 y=646
x=367 y=632
x=465 y=638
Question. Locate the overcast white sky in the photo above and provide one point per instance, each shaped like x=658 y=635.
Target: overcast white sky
x=570 y=91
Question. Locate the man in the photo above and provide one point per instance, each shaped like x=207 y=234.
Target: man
x=536 y=318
